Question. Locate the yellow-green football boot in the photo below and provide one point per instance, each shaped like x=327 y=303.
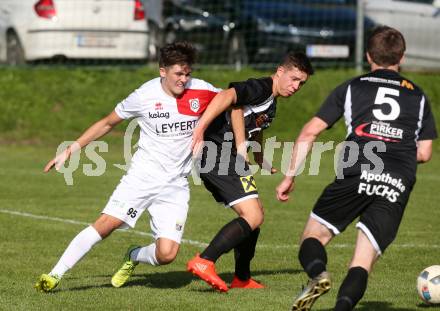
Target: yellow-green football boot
x=47 y=283
x=125 y=272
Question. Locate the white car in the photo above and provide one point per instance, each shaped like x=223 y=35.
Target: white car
x=418 y=20
x=78 y=29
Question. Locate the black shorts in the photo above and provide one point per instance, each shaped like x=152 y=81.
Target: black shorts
x=227 y=184
x=379 y=200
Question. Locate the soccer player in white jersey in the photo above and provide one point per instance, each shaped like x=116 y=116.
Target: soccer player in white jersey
x=167 y=109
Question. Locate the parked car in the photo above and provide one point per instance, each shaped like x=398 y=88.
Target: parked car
x=418 y=20
x=209 y=25
x=80 y=29
x=261 y=31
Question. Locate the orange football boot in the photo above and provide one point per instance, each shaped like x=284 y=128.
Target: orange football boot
x=251 y=283
x=205 y=269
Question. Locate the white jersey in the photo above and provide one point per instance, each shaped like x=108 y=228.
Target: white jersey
x=166 y=126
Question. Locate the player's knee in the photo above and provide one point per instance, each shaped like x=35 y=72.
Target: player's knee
x=317 y=231
x=253 y=215
x=322 y=236
x=165 y=257
x=254 y=220
x=259 y=220
x=106 y=224
x=166 y=254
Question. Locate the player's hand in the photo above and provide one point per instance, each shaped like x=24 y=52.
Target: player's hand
x=59 y=160
x=284 y=188
x=197 y=141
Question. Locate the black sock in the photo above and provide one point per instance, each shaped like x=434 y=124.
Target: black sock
x=243 y=253
x=312 y=257
x=352 y=289
x=227 y=238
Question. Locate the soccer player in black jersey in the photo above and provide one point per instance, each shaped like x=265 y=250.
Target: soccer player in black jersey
x=389 y=119
x=253 y=105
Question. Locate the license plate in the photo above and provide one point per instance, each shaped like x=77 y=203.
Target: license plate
x=96 y=40
x=327 y=51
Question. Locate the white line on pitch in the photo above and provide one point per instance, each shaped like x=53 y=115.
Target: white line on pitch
x=76 y=222
x=192 y=242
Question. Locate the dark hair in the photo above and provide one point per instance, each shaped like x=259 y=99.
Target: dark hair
x=177 y=53
x=386 y=46
x=298 y=60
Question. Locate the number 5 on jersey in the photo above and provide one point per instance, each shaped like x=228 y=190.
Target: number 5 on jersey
x=383 y=97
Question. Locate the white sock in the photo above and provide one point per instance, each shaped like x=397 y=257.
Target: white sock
x=146 y=254
x=76 y=250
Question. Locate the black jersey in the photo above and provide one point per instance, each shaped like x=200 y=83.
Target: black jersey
x=259 y=106
x=382 y=106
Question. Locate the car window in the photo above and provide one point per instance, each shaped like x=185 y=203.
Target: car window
x=316 y=1
x=221 y=8
x=419 y=1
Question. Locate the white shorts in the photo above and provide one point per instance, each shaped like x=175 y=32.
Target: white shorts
x=166 y=202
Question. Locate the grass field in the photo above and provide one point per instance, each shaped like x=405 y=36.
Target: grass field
x=40 y=214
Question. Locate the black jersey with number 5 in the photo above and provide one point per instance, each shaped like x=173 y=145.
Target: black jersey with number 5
x=382 y=106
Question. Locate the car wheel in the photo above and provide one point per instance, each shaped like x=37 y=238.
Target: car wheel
x=156 y=40
x=237 y=51
x=14 y=50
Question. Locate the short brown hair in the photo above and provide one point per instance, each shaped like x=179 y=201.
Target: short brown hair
x=178 y=53
x=386 y=46
x=298 y=60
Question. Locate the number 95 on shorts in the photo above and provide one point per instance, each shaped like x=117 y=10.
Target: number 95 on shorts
x=128 y=212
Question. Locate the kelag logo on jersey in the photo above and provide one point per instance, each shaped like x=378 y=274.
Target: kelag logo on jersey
x=159 y=115
x=381 y=131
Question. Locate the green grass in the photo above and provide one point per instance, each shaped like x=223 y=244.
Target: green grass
x=55 y=104
x=41 y=108
x=31 y=246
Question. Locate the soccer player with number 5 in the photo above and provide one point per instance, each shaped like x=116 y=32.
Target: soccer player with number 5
x=388 y=118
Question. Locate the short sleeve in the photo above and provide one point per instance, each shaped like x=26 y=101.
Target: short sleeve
x=333 y=107
x=428 y=130
x=129 y=107
x=251 y=92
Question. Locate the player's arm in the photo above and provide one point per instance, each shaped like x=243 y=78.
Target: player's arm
x=424 y=151
x=219 y=103
x=94 y=132
x=301 y=148
x=259 y=156
x=239 y=131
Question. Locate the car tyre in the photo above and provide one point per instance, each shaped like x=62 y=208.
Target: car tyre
x=14 y=50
